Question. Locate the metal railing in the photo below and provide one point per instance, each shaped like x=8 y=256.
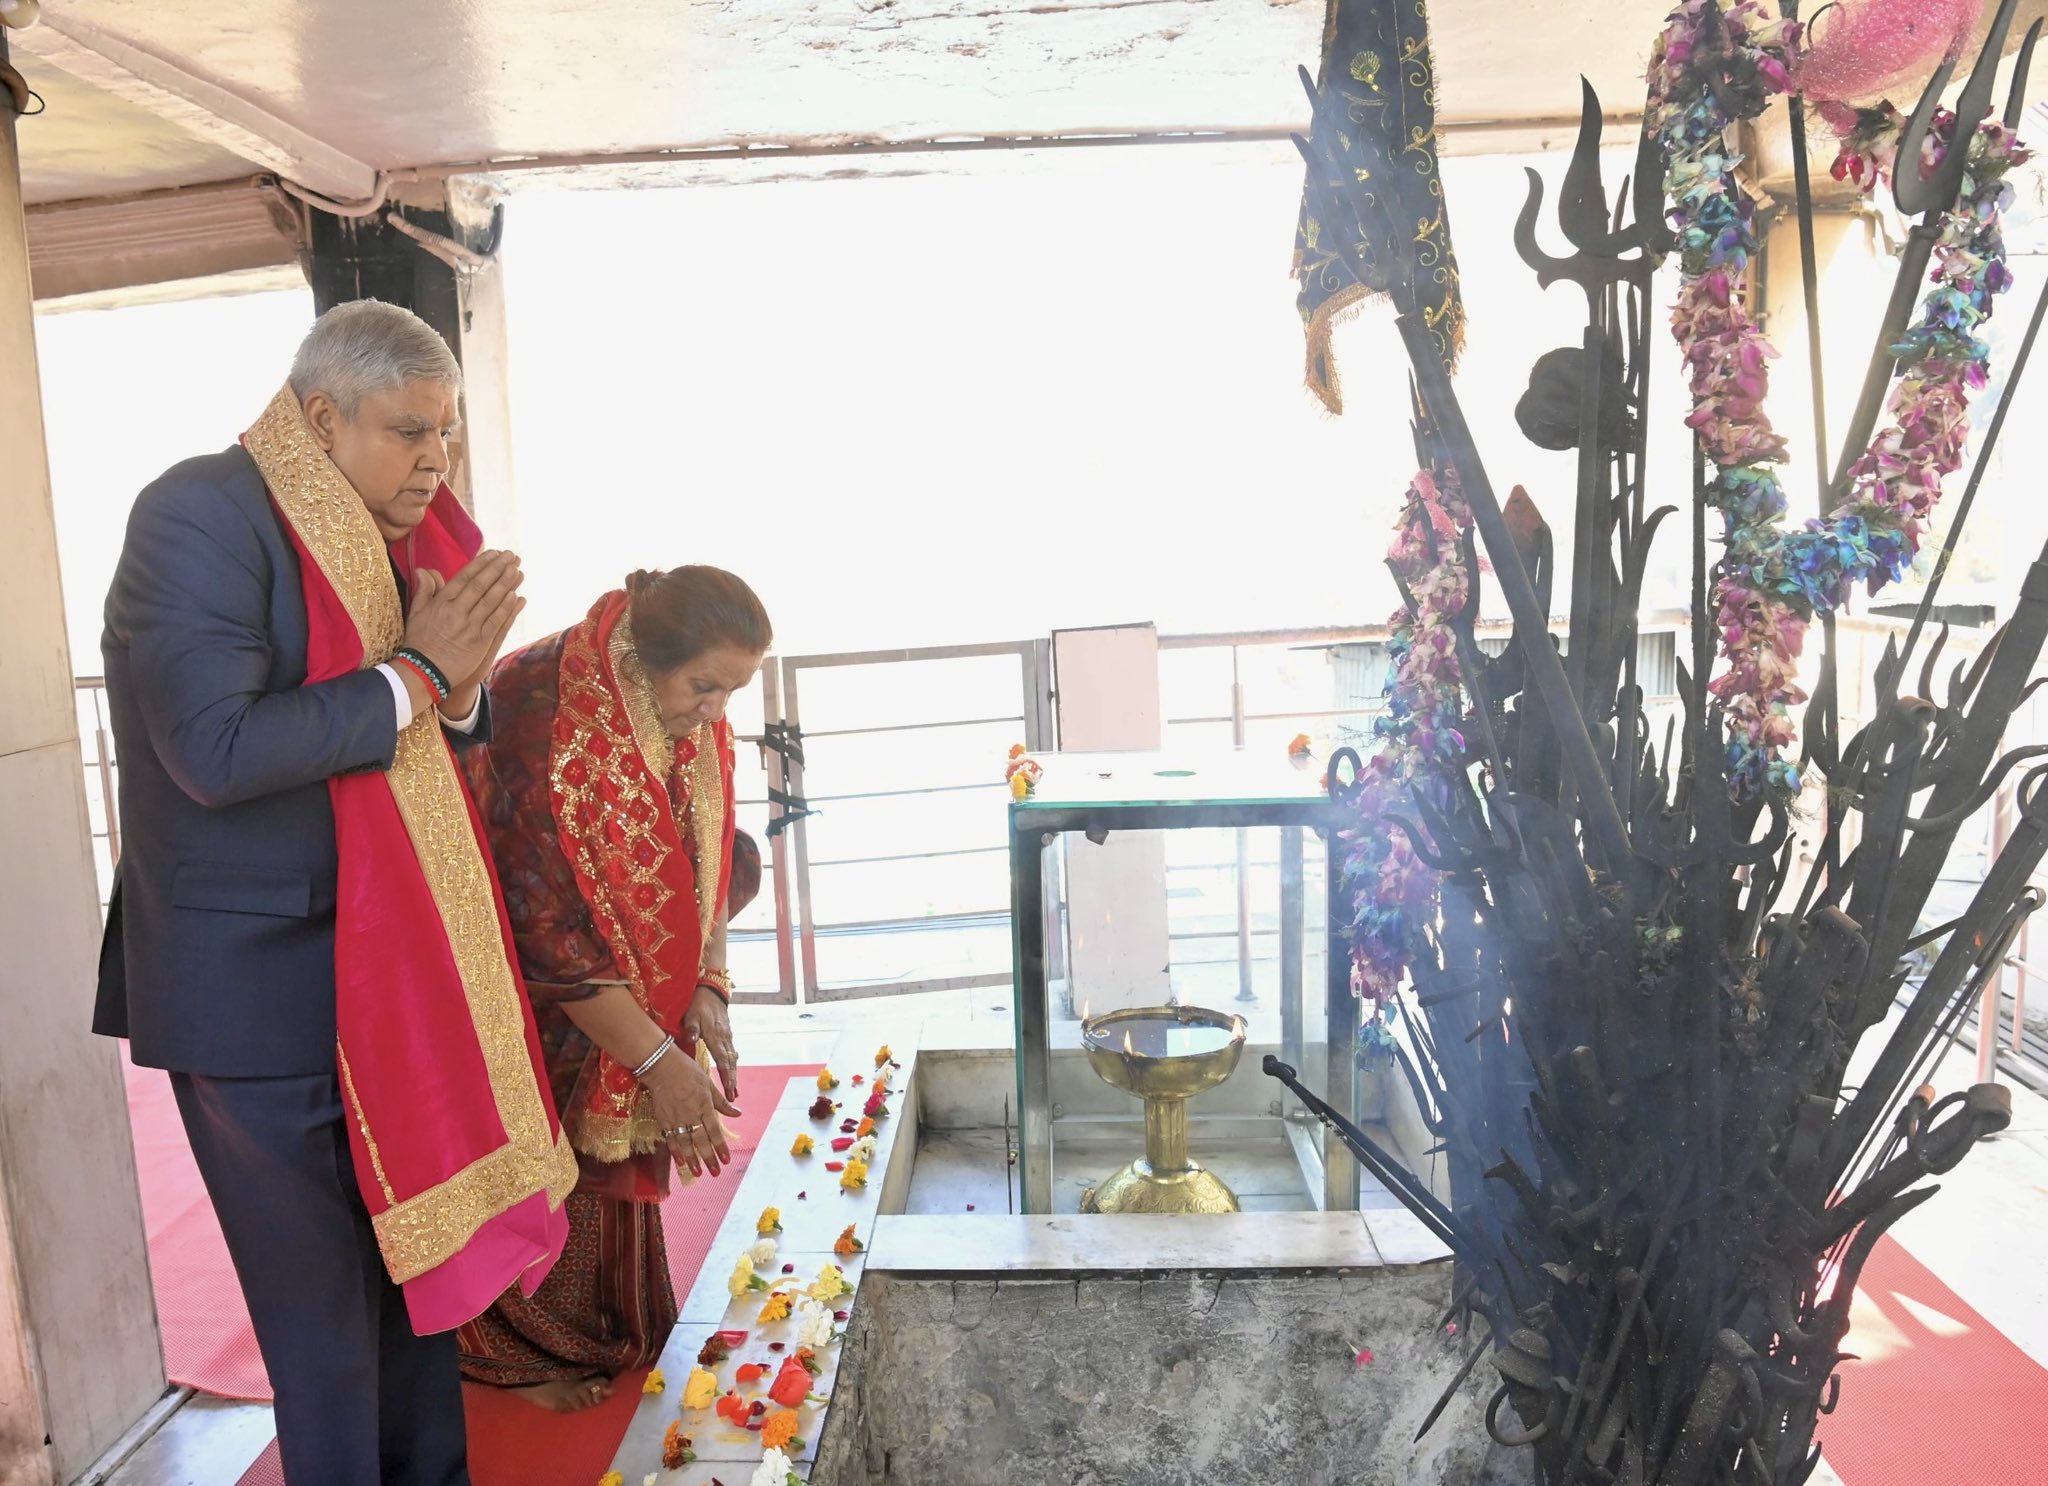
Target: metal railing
x=792 y=858
x=102 y=776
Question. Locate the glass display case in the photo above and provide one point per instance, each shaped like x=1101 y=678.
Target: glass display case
x=1199 y=880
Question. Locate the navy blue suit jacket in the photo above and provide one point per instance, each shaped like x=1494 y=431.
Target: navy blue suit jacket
x=219 y=951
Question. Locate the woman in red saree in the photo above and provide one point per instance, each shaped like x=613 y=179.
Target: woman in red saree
x=606 y=794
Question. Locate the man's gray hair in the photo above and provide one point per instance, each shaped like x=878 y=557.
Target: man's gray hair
x=364 y=347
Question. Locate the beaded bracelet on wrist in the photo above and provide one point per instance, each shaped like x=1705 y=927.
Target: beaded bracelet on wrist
x=435 y=677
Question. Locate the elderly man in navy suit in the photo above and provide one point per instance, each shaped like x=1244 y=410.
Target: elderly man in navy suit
x=219 y=960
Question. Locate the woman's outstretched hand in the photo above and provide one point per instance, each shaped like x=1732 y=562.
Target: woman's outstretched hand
x=687 y=1103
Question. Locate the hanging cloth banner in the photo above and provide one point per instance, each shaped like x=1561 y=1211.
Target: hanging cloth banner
x=1375 y=134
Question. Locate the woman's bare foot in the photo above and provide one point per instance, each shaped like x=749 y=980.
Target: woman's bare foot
x=567 y=1395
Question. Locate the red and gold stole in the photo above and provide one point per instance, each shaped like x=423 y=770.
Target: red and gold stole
x=457 y=1148
x=623 y=794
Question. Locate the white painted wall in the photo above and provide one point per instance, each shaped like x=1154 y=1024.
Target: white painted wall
x=79 y=1360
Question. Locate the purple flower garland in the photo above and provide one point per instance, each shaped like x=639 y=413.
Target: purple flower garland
x=1393 y=891
x=1711 y=68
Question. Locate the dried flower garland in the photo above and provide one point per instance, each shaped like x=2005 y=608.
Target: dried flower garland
x=1393 y=890
x=1895 y=485
x=1711 y=68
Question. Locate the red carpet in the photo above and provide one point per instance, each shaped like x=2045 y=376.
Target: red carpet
x=208 y=1344
x=1939 y=1397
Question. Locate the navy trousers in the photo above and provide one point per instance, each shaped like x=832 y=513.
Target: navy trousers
x=361 y=1399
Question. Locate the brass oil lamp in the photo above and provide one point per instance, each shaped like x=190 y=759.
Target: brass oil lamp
x=1164 y=1055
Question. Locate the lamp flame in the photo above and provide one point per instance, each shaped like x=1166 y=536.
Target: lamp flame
x=1128 y=1049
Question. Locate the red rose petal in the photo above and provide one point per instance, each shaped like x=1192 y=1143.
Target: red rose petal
x=835 y=1166
x=859 y=1079
x=777 y=1346
x=839 y=1315
x=970 y=1207
x=843 y=1143
x=789 y=1269
x=732 y=1338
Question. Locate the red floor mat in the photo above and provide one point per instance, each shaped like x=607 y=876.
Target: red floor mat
x=1939 y=1396
x=208 y=1344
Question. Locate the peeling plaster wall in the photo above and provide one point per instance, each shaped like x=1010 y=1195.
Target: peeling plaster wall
x=1159 y=1379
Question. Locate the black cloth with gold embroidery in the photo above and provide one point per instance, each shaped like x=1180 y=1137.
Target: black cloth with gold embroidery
x=1372 y=216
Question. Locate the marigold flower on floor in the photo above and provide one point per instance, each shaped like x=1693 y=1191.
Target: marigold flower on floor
x=863 y=1149
x=657 y=1382
x=744 y=1280
x=777 y=1309
x=675 y=1448
x=611 y=1478
x=770 y=1221
x=804 y=1146
x=855 y=1176
x=701 y=1388
x=763 y=1253
x=882 y=1055
x=822 y=1107
x=847 y=1245
x=865 y=1128
x=827 y=1082
x=779 y=1433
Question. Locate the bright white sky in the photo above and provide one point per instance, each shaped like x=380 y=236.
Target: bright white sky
x=911 y=411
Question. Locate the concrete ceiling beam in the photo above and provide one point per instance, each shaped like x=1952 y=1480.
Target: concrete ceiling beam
x=203 y=108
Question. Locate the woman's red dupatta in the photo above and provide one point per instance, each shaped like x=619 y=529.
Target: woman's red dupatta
x=622 y=792
x=458 y=1151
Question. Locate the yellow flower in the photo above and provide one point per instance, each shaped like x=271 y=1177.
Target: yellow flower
x=826 y=1082
x=657 y=1382
x=855 y=1175
x=1019 y=786
x=777 y=1309
x=743 y=1278
x=882 y=1055
x=770 y=1221
x=611 y=1478
x=804 y=1146
x=830 y=1285
x=701 y=1389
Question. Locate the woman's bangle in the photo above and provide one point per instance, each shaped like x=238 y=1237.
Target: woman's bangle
x=717 y=980
x=668 y=1045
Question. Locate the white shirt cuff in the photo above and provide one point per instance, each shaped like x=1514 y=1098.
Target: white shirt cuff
x=403 y=699
x=465 y=724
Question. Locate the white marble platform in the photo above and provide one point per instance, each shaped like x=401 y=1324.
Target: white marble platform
x=814 y=1210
